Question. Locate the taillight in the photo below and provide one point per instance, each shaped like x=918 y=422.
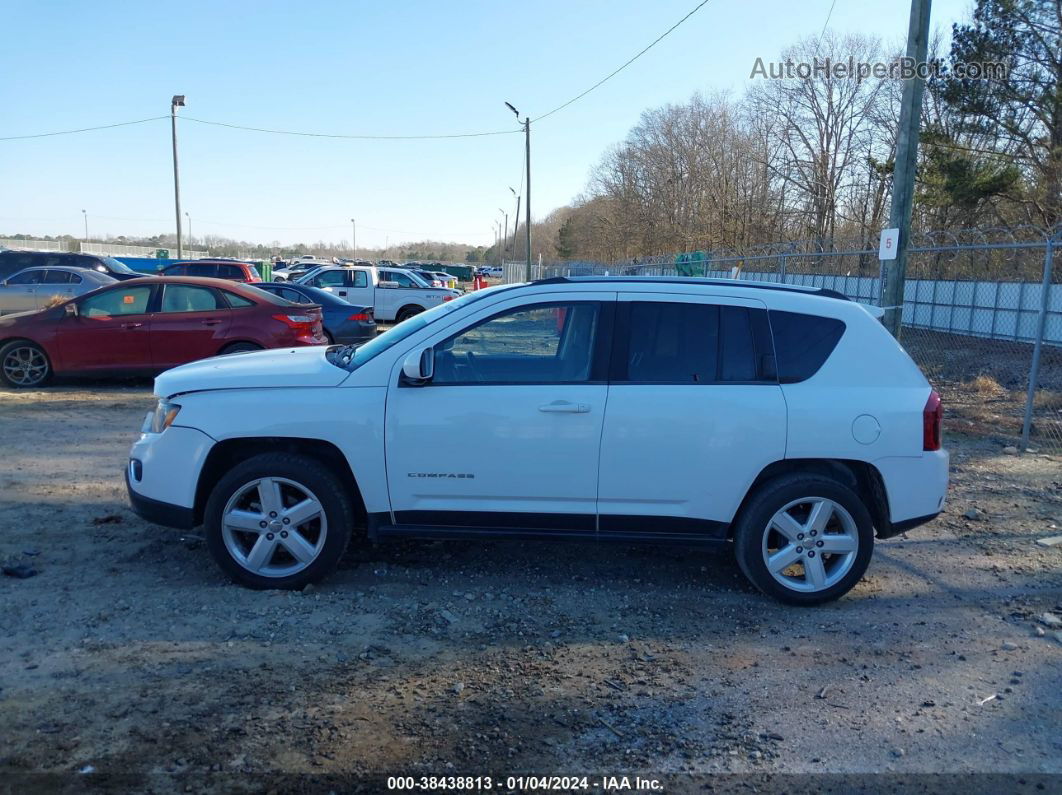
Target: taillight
x=932 y=418
x=447 y=298
x=361 y=317
x=301 y=324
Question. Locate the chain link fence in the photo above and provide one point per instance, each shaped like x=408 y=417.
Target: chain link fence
x=982 y=314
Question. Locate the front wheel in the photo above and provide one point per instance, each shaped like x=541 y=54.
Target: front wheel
x=24 y=364
x=804 y=539
x=278 y=520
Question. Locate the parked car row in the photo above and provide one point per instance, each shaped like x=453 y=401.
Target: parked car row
x=143 y=326
x=395 y=294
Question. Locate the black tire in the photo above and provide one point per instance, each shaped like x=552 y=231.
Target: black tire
x=755 y=520
x=305 y=471
x=239 y=347
x=24 y=351
x=406 y=312
x=329 y=337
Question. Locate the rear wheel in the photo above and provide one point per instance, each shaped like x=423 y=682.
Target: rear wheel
x=407 y=312
x=24 y=364
x=239 y=347
x=804 y=539
x=278 y=520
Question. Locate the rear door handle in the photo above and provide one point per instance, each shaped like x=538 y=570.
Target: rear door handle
x=132 y=325
x=342 y=292
x=211 y=322
x=564 y=407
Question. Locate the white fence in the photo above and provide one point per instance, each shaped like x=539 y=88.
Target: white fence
x=121 y=250
x=33 y=245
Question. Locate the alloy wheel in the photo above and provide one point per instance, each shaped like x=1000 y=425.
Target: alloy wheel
x=25 y=366
x=810 y=544
x=274 y=527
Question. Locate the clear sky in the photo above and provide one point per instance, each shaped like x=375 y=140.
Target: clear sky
x=391 y=67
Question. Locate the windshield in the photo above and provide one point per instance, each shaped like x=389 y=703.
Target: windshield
x=118 y=266
x=350 y=357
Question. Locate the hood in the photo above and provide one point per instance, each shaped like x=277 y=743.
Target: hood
x=280 y=367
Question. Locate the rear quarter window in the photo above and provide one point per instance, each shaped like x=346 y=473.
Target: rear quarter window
x=803 y=343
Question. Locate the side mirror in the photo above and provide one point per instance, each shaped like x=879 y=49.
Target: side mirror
x=387 y=285
x=419 y=366
x=70 y=309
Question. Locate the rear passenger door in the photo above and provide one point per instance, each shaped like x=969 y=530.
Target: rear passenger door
x=192 y=323
x=694 y=414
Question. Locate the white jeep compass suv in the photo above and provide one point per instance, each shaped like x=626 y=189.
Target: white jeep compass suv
x=783 y=420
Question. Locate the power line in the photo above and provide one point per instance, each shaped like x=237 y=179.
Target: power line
x=81 y=130
x=343 y=135
x=825 y=24
x=612 y=74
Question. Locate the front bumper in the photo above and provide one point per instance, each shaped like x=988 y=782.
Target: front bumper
x=157 y=512
x=162 y=474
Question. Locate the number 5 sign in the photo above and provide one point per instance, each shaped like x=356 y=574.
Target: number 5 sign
x=890 y=239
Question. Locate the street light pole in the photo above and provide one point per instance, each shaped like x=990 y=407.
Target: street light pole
x=505 y=234
x=516 y=221
x=527 y=208
x=354 y=237
x=85 y=214
x=176 y=102
x=191 y=239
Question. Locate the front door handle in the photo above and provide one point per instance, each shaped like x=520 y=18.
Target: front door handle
x=211 y=322
x=342 y=292
x=564 y=407
x=132 y=325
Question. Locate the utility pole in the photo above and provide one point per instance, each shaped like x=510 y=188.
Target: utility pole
x=85 y=214
x=176 y=102
x=191 y=240
x=893 y=272
x=354 y=237
x=527 y=208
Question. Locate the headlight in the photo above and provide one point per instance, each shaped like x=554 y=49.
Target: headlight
x=165 y=414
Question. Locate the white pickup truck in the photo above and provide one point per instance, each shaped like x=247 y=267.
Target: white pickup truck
x=392 y=293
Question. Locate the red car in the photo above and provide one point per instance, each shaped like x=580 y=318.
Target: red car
x=229 y=270
x=144 y=326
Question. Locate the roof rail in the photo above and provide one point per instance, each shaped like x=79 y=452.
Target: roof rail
x=823 y=292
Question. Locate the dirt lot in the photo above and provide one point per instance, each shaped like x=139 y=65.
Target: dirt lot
x=129 y=658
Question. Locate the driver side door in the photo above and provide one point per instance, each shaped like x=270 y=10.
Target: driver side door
x=505 y=437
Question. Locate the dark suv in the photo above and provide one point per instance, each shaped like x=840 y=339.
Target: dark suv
x=12 y=262
x=215 y=269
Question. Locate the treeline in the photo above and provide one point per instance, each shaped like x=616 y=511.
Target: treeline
x=812 y=159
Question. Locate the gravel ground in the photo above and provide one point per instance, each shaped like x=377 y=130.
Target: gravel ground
x=130 y=664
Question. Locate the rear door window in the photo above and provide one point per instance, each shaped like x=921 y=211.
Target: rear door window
x=57 y=277
x=203 y=269
x=190 y=298
x=232 y=272
x=693 y=343
x=803 y=343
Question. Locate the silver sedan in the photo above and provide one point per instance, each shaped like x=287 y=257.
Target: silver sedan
x=37 y=288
